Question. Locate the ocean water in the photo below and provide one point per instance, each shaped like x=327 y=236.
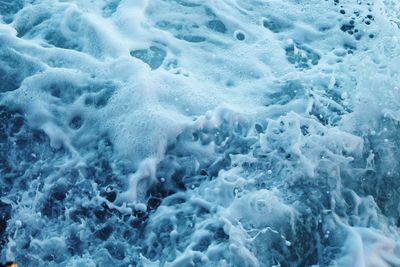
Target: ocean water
x=200 y=133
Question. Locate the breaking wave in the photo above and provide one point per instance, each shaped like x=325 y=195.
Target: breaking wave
x=200 y=133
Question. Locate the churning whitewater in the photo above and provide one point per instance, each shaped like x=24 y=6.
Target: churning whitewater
x=179 y=133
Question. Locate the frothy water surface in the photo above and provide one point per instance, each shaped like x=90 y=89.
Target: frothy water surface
x=200 y=133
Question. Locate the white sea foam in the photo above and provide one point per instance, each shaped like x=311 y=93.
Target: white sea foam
x=200 y=133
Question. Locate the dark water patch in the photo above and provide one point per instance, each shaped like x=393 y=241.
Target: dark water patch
x=153 y=56
x=276 y=24
x=217 y=25
x=14 y=68
x=8 y=8
x=301 y=56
